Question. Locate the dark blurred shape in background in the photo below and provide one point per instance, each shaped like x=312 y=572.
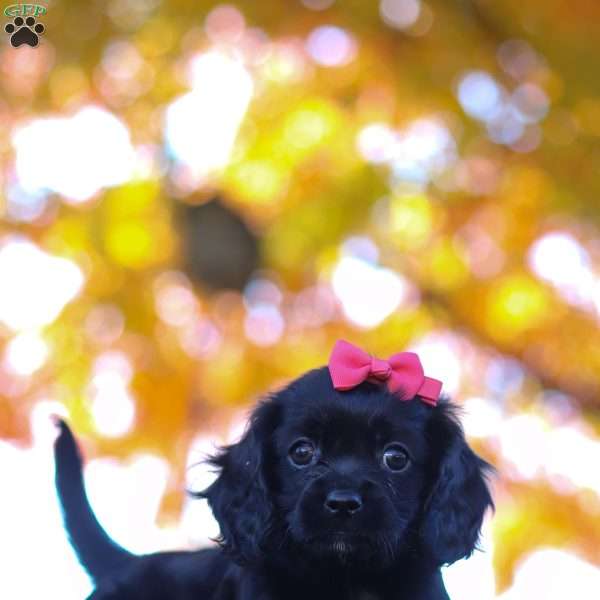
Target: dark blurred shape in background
x=219 y=250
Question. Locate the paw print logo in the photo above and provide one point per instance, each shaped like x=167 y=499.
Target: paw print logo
x=24 y=31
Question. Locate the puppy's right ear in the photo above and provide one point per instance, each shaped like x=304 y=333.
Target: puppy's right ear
x=240 y=497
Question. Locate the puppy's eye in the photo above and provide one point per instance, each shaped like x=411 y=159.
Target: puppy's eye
x=396 y=458
x=302 y=453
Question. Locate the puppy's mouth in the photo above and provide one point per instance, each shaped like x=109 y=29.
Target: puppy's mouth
x=343 y=545
x=341 y=542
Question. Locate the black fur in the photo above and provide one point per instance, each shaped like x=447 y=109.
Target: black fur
x=278 y=540
x=96 y=551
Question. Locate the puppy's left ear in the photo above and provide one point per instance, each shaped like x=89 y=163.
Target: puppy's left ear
x=240 y=497
x=460 y=496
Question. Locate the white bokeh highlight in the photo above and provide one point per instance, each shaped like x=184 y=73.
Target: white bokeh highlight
x=367 y=292
x=201 y=126
x=112 y=403
x=560 y=259
x=554 y=574
x=26 y=353
x=331 y=46
x=74 y=156
x=28 y=275
x=423 y=149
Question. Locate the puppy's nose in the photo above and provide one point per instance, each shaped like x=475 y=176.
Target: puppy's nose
x=343 y=501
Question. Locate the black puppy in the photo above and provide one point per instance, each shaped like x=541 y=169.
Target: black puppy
x=354 y=495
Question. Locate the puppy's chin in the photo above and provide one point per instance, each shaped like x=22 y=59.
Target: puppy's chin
x=370 y=552
x=340 y=546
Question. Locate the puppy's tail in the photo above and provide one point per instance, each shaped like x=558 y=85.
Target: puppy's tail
x=99 y=555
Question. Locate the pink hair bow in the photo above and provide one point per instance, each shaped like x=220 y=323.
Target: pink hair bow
x=349 y=366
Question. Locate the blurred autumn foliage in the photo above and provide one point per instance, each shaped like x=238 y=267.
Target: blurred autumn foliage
x=200 y=198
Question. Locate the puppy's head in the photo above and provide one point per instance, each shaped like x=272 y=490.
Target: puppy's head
x=357 y=478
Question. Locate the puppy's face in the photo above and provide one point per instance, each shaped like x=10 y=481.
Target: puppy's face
x=349 y=472
x=356 y=478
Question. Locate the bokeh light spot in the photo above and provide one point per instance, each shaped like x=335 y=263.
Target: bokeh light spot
x=318 y=4
x=201 y=126
x=558 y=258
x=225 y=23
x=531 y=102
x=376 y=141
x=331 y=46
x=307 y=127
x=56 y=154
x=26 y=353
x=517 y=58
x=400 y=14
x=130 y=243
x=29 y=274
x=264 y=324
x=259 y=181
x=112 y=405
x=446 y=265
x=517 y=304
x=479 y=95
x=411 y=219
x=368 y=293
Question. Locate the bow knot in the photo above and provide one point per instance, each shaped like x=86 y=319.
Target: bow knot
x=380 y=369
x=349 y=366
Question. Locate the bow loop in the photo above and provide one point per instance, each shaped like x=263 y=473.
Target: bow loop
x=403 y=373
